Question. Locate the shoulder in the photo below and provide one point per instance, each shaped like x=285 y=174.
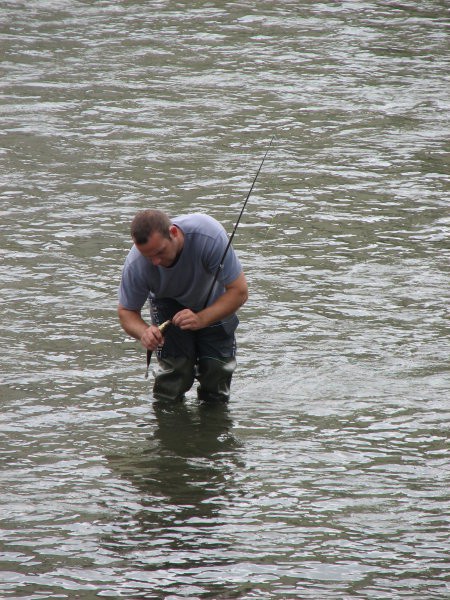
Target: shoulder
x=133 y=256
x=135 y=262
x=197 y=223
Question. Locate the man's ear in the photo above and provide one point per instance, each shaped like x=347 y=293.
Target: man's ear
x=173 y=230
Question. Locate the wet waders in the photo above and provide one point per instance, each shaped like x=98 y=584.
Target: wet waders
x=207 y=355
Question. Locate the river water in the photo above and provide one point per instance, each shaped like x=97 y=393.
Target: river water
x=328 y=475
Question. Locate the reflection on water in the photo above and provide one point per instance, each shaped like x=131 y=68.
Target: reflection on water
x=183 y=477
x=183 y=470
x=327 y=476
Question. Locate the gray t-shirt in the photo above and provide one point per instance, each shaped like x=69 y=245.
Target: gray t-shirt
x=188 y=281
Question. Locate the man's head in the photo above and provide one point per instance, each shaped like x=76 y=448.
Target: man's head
x=148 y=222
x=156 y=237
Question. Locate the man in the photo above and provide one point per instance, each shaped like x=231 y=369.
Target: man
x=173 y=264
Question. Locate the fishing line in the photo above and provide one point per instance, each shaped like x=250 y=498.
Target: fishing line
x=220 y=267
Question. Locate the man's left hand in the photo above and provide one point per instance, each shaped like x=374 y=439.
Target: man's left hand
x=186 y=319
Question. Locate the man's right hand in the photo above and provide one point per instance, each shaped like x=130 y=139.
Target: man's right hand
x=152 y=338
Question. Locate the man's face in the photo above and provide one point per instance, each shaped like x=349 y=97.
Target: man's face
x=161 y=251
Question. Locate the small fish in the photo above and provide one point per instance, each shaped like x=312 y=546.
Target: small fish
x=162 y=329
x=164 y=326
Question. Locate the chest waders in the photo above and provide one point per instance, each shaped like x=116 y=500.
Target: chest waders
x=207 y=355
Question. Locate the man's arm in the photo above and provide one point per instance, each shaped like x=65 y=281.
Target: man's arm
x=235 y=295
x=132 y=322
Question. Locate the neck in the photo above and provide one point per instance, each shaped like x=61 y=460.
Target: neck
x=179 y=239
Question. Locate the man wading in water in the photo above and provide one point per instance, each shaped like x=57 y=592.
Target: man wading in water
x=173 y=264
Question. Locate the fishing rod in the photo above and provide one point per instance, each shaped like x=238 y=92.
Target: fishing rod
x=220 y=267
x=164 y=325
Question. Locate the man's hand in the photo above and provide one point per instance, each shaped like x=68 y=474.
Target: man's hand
x=236 y=293
x=152 y=338
x=186 y=319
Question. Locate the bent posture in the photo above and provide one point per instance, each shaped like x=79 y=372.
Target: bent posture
x=172 y=264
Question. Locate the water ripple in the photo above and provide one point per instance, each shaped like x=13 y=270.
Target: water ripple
x=327 y=475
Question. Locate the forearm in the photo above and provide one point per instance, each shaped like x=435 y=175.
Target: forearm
x=228 y=303
x=224 y=306
x=132 y=322
x=149 y=335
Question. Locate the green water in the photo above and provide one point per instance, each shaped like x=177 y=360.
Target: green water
x=327 y=477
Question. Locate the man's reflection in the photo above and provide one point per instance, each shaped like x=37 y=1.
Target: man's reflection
x=184 y=475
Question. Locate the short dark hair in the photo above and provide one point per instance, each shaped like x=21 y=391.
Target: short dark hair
x=146 y=223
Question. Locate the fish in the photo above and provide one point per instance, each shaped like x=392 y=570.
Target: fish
x=162 y=329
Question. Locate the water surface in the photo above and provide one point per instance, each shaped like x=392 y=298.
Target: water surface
x=328 y=474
